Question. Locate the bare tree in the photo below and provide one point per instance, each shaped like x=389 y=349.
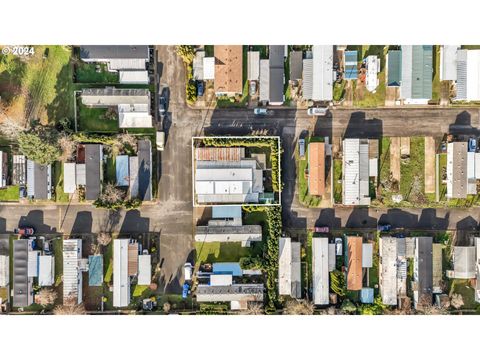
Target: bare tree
x=46 y=297
x=111 y=194
x=70 y=307
x=298 y=307
x=253 y=308
x=9 y=128
x=166 y=307
x=67 y=146
x=104 y=238
x=127 y=139
x=456 y=300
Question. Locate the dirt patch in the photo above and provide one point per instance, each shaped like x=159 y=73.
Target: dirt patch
x=429 y=165
x=395 y=145
x=404 y=147
x=392 y=93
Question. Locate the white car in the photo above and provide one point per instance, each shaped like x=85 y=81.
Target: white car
x=188 y=269
x=160 y=140
x=317 y=111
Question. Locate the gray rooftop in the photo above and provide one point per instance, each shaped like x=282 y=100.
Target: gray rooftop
x=22 y=295
x=464 y=259
x=296 y=65
x=114 y=52
x=424 y=269
x=144 y=154
x=235 y=292
x=277 y=73
x=93 y=158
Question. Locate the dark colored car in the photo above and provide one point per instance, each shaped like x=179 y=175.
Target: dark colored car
x=322 y=229
x=24 y=231
x=384 y=227
x=200 y=88
x=162 y=105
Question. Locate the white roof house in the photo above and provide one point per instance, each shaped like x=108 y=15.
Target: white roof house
x=289 y=279
x=264 y=88
x=373 y=68
x=457 y=170
x=133 y=77
x=134 y=116
x=356 y=172
x=144 y=270
x=323 y=75
x=4 y=270
x=209 y=68
x=72 y=276
x=46 y=270
x=198 y=65
x=320 y=271
x=221 y=279
x=117 y=57
x=253 y=65
x=448 y=62
x=468 y=75
x=367 y=255
x=388 y=270
x=33 y=263
x=464 y=262
x=69 y=178
x=225 y=233
x=121 y=280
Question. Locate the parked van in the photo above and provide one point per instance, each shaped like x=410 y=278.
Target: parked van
x=160 y=140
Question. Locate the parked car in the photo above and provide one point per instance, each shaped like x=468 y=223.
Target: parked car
x=200 y=88
x=472 y=145
x=24 y=231
x=322 y=229
x=47 y=246
x=301 y=147
x=317 y=111
x=384 y=227
x=338 y=246
x=262 y=111
x=187 y=269
x=160 y=140
x=162 y=105
x=253 y=88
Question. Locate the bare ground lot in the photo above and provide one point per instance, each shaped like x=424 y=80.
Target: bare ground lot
x=395 y=146
x=429 y=165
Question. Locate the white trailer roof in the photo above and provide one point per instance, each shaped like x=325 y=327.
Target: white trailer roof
x=134 y=120
x=209 y=68
x=253 y=65
x=134 y=77
x=69 y=178
x=320 y=271
x=33 y=263
x=46 y=270
x=72 y=277
x=388 y=270
x=322 y=73
x=448 y=62
x=144 y=270
x=4 y=270
x=121 y=280
x=289 y=282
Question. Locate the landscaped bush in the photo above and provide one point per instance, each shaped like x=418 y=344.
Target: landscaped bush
x=254 y=142
x=251 y=263
x=337 y=283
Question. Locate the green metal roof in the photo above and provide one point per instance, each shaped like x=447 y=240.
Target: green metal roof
x=394 y=67
x=422 y=71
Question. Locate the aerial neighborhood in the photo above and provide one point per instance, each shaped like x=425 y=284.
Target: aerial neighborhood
x=240 y=179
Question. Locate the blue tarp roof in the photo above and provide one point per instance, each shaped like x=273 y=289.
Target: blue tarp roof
x=226 y=212
x=95 y=270
x=227 y=268
x=366 y=295
x=121 y=166
x=351 y=65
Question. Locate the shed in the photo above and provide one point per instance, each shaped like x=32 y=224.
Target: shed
x=253 y=65
x=394 y=67
x=95 y=270
x=351 y=65
x=69 y=178
x=232 y=268
x=367 y=255
x=46 y=270
x=208 y=68
x=366 y=296
x=121 y=170
x=296 y=65
x=133 y=77
x=144 y=270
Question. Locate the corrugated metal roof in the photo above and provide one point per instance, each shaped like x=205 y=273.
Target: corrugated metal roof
x=354 y=262
x=72 y=277
x=394 y=67
x=121 y=280
x=289 y=268
x=320 y=271
x=133 y=259
x=316 y=168
x=253 y=65
x=307 y=79
x=406 y=84
x=468 y=75
x=322 y=73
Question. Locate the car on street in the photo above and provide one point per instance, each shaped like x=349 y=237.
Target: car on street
x=262 y=111
x=317 y=111
x=322 y=229
x=47 y=245
x=24 y=230
x=252 y=88
x=200 y=88
x=301 y=148
x=162 y=105
x=384 y=227
x=160 y=140
x=472 y=145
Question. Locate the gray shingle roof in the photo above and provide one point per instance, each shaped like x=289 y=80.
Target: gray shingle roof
x=114 y=52
x=144 y=170
x=93 y=157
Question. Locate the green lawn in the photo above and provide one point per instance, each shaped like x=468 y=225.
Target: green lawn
x=337 y=181
x=60 y=196
x=413 y=168
x=209 y=50
x=304 y=197
x=308 y=256
x=86 y=73
x=111 y=175
x=108 y=263
x=96 y=120
x=10 y=193
x=464 y=288
x=58 y=252
x=209 y=252
x=373 y=271
x=339 y=90
x=377 y=98
x=442 y=168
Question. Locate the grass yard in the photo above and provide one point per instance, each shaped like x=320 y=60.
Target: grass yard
x=111 y=175
x=337 y=181
x=96 y=120
x=108 y=263
x=209 y=252
x=377 y=98
x=58 y=252
x=373 y=271
x=60 y=196
x=464 y=288
x=412 y=178
x=87 y=73
x=339 y=90
x=10 y=193
x=442 y=169
x=308 y=259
